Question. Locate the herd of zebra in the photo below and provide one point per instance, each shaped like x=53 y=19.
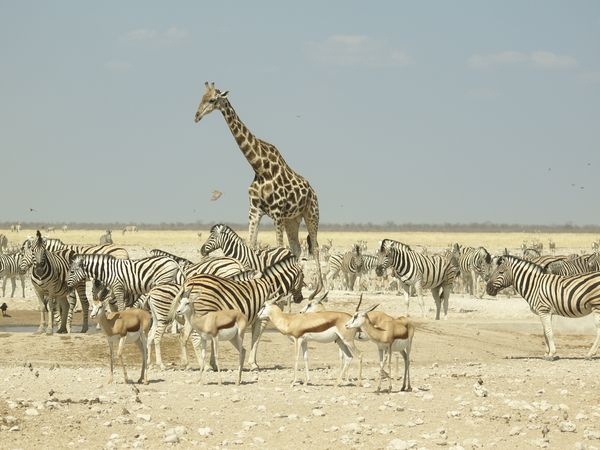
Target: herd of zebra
x=245 y=279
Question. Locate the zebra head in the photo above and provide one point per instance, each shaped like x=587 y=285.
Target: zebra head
x=358 y=318
x=593 y=262
x=26 y=256
x=501 y=275
x=211 y=100
x=38 y=250
x=216 y=240
x=76 y=271
x=383 y=260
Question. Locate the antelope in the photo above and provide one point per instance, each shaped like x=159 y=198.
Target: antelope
x=390 y=335
x=131 y=325
x=323 y=327
x=376 y=317
x=223 y=325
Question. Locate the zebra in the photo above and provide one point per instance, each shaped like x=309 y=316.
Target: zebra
x=103 y=249
x=549 y=294
x=224 y=238
x=433 y=272
x=10 y=267
x=221 y=266
x=334 y=266
x=473 y=262
x=211 y=293
x=49 y=281
x=130 y=229
x=3 y=243
x=106 y=238
x=183 y=262
x=576 y=266
x=352 y=264
x=123 y=276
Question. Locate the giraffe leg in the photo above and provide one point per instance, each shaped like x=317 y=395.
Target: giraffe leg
x=311 y=218
x=291 y=230
x=279 y=228
x=254 y=216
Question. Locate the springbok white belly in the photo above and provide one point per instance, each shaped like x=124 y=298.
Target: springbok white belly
x=324 y=337
x=132 y=336
x=225 y=334
x=397 y=346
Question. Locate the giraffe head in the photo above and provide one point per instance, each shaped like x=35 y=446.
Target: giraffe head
x=211 y=100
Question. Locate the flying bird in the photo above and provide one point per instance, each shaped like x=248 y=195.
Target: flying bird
x=216 y=195
x=32 y=210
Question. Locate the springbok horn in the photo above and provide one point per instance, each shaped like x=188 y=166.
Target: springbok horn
x=359 y=302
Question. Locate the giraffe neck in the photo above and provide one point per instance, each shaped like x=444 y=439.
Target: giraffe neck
x=251 y=147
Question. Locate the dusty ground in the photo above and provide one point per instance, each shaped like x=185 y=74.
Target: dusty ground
x=478 y=382
x=53 y=391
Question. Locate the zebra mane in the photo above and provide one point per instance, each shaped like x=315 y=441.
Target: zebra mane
x=524 y=261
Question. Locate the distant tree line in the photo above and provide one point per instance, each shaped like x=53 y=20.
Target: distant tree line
x=388 y=226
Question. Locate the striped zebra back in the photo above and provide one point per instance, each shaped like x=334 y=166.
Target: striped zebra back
x=103 y=249
x=472 y=259
x=579 y=265
x=369 y=263
x=10 y=265
x=228 y=241
x=136 y=276
x=573 y=296
x=220 y=266
x=211 y=293
x=183 y=262
x=432 y=271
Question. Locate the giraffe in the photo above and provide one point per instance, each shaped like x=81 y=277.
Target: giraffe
x=277 y=190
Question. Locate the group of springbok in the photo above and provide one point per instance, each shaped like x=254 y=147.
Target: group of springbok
x=312 y=323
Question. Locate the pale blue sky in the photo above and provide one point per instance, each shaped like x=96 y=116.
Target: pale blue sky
x=423 y=112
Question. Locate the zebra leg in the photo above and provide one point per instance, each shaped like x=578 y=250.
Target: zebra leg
x=435 y=292
x=419 y=288
x=406 y=288
x=548 y=336
x=4 y=287
x=446 y=290
x=85 y=307
x=594 y=348
x=13 y=281
x=257 y=330
x=65 y=307
x=155 y=335
x=50 y=315
x=42 y=304
x=22 y=284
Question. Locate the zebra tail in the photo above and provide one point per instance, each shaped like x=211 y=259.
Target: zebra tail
x=310 y=244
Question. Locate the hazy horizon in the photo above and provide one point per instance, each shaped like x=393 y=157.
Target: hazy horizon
x=462 y=112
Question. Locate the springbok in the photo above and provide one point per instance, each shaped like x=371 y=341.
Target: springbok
x=323 y=327
x=131 y=325
x=223 y=325
x=391 y=335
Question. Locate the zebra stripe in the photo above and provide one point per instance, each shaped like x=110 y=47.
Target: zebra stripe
x=124 y=276
x=579 y=265
x=10 y=268
x=549 y=294
x=221 y=266
x=352 y=264
x=183 y=262
x=475 y=262
x=224 y=238
x=211 y=293
x=334 y=266
x=49 y=281
x=431 y=272
x=105 y=249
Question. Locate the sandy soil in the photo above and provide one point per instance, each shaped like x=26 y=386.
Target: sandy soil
x=478 y=381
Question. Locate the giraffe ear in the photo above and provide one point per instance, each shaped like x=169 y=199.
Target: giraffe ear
x=223 y=94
